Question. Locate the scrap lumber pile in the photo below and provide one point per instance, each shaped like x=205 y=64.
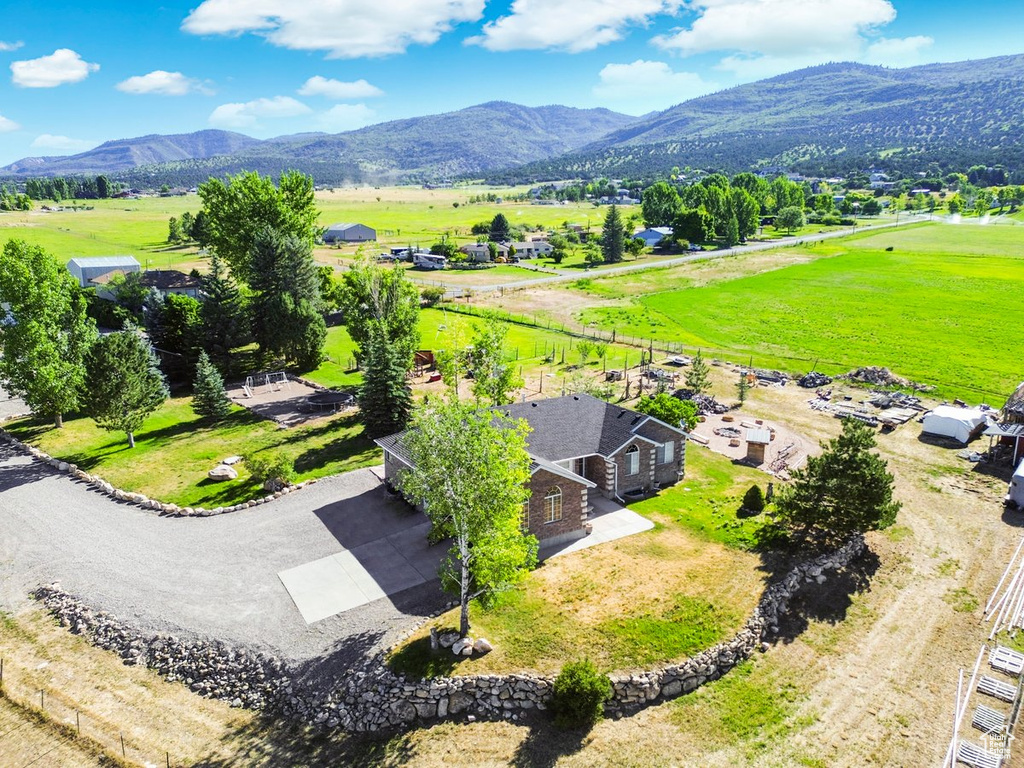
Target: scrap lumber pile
x=883 y=377
x=770 y=377
x=706 y=404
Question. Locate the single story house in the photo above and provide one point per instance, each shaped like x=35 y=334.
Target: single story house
x=481 y=252
x=577 y=444
x=653 y=235
x=533 y=249
x=90 y=270
x=349 y=233
x=168 y=281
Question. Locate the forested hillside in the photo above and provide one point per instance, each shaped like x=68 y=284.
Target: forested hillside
x=825 y=119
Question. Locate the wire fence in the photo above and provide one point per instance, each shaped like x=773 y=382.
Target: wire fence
x=71 y=723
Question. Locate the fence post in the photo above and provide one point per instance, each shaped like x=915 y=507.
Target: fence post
x=123 y=752
x=78 y=723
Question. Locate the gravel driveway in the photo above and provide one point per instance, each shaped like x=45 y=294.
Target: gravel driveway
x=215 y=577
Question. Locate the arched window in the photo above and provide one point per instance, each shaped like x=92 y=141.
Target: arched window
x=553 y=505
x=633 y=460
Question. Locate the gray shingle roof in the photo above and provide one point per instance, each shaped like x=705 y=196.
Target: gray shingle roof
x=1015 y=403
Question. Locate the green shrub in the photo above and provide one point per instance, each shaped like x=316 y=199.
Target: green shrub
x=272 y=471
x=432 y=294
x=753 y=499
x=578 y=694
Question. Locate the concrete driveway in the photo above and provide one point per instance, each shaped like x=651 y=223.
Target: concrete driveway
x=219 y=576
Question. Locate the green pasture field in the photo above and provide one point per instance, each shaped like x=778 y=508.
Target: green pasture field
x=526 y=345
x=401 y=216
x=175 y=449
x=935 y=308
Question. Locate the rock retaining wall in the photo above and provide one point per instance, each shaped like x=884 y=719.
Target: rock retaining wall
x=373 y=698
x=97 y=483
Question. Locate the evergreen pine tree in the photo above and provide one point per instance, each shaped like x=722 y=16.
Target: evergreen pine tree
x=613 y=236
x=697 y=378
x=385 y=399
x=743 y=387
x=209 y=399
x=223 y=314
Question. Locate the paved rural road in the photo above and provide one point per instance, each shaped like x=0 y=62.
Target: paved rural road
x=215 y=577
x=566 y=276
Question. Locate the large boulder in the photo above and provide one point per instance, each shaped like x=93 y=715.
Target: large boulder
x=223 y=472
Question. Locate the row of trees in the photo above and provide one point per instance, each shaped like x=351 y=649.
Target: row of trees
x=53 y=356
x=58 y=188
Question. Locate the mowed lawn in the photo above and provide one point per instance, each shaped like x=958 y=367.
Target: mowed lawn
x=935 y=308
x=654 y=597
x=175 y=450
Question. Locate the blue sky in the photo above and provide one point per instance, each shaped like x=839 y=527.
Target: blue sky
x=73 y=75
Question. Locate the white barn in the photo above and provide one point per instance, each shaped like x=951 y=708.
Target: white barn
x=87 y=269
x=349 y=233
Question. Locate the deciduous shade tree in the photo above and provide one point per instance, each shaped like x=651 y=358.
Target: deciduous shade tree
x=660 y=205
x=237 y=210
x=123 y=384
x=613 y=236
x=209 y=399
x=845 y=490
x=698 y=378
x=790 y=218
x=694 y=225
x=470 y=471
x=45 y=332
x=385 y=400
x=286 y=299
x=377 y=295
x=671 y=410
x=175 y=326
x=494 y=374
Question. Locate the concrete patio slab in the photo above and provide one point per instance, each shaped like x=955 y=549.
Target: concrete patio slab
x=368 y=572
x=610 y=522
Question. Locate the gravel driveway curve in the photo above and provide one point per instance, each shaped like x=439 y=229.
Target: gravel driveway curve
x=212 y=577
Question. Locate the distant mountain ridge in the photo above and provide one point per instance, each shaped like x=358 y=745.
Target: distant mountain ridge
x=477 y=139
x=819 y=116
x=819 y=120
x=121 y=154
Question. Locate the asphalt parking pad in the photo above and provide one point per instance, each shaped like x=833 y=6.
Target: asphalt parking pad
x=355 y=577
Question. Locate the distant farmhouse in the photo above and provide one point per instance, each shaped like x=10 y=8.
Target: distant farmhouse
x=481 y=252
x=532 y=249
x=349 y=233
x=168 y=281
x=97 y=271
x=653 y=235
x=578 y=443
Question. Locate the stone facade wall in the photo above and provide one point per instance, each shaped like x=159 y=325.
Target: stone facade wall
x=373 y=698
x=98 y=484
x=574 y=505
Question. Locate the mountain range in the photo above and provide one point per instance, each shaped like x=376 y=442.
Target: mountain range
x=823 y=119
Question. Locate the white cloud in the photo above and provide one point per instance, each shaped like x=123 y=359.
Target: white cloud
x=7 y=125
x=337 y=90
x=898 y=51
x=345 y=117
x=248 y=114
x=569 y=25
x=61 y=143
x=60 y=67
x=346 y=29
x=10 y=46
x=161 y=82
x=779 y=28
x=648 y=85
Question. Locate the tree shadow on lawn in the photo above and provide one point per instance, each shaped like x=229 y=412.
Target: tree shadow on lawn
x=545 y=743
x=829 y=601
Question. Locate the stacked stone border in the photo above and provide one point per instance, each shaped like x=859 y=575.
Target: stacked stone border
x=373 y=698
x=98 y=484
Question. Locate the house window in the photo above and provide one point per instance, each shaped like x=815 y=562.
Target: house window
x=666 y=452
x=524 y=517
x=633 y=460
x=553 y=505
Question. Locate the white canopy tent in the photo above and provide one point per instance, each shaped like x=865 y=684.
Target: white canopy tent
x=961 y=424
